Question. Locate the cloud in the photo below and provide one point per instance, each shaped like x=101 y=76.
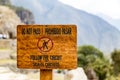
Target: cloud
x=107 y=7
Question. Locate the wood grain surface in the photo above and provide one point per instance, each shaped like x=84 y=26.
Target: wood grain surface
x=47 y=46
x=46 y=74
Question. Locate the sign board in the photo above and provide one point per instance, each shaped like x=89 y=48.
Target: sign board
x=46 y=46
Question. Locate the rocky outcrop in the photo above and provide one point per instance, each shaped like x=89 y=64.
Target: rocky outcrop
x=25 y=15
x=10 y=17
x=91 y=74
x=76 y=74
x=5 y=2
x=8 y=22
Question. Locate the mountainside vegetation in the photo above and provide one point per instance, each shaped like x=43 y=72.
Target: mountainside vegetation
x=96 y=65
x=25 y=15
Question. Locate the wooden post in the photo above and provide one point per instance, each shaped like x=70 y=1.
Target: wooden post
x=45 y=74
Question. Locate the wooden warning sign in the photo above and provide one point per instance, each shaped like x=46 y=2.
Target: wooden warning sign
x=46 y=46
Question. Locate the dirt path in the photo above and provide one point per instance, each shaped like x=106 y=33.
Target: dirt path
x=5 y=53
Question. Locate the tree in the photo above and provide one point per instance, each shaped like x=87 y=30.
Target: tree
x=87 y=55
x=116 y=61
x=91 y=57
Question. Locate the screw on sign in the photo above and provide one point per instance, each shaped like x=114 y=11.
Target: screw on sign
x=45 y=44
